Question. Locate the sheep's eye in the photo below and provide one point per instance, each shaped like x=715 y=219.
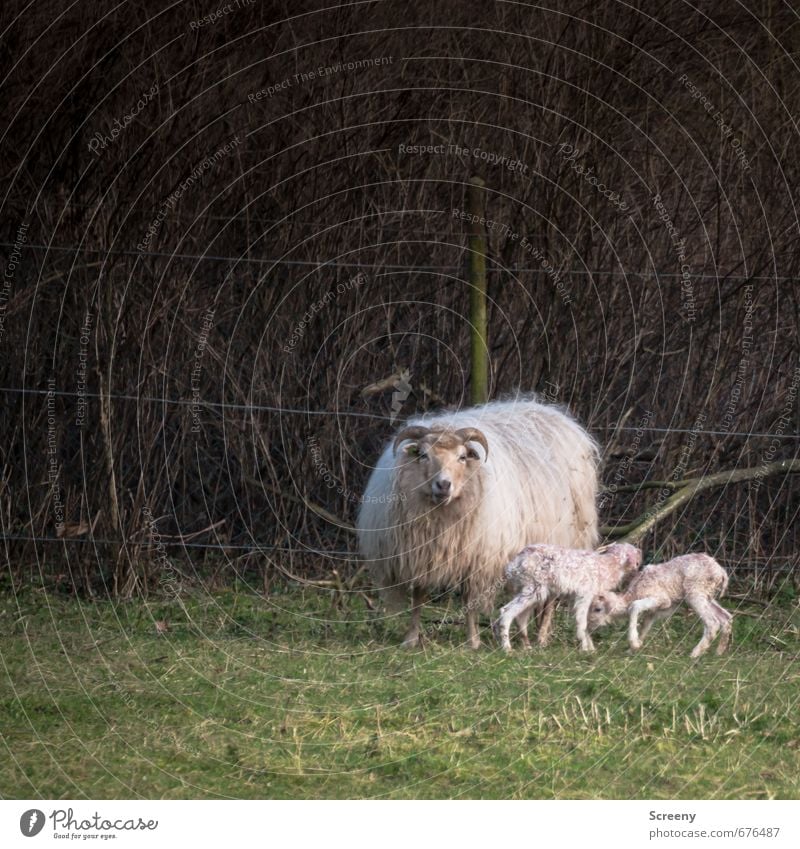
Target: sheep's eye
x=598 y=610
x=462 y=458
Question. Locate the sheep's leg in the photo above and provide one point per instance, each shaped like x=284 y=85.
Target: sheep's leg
x=508 y=613
x=582 y=605
x=522 y=625
x=637 y=608
x=725 y=620
x=473 y=637
x=412 y=637
x=703 y=607
x=544 y=622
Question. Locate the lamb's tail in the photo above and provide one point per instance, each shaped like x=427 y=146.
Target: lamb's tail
x=722 y=615
x=724 y=583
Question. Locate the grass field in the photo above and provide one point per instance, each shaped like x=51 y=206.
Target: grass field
x=295 y=697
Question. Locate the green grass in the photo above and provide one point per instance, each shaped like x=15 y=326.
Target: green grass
x=291 y=697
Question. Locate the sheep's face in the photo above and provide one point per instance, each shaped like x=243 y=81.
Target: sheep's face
x=605 y=608
x=439 y=465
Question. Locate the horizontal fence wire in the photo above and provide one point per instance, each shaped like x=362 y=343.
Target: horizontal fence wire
x=785 y=563
x=167 y=543
x=388 y=266
x=20 y=390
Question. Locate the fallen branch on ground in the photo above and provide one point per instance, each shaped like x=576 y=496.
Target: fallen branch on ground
x=634 y=531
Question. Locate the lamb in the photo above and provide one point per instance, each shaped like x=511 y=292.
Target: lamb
x=659 y=588
x=542 y=572
x=454 y=496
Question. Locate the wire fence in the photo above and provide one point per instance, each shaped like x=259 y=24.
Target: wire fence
x=302 y=411
x=338 y=263
x=772 y=564
x=167 y=543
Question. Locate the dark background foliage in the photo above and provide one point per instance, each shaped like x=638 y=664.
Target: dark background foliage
x=314 y=188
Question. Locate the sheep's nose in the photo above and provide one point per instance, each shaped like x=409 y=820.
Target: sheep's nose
x=442 y=487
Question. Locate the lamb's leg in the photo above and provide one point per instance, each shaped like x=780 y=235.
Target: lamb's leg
x=649 y=619
x=412 y=637
x=544 y=622
x=703 y=607
x=646 y=624
x=518 y=605
x=725 y=621
x=582 y=605
x=637 y=608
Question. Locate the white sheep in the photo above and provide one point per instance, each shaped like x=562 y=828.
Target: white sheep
x=657 y=591
x=454 y=496
x=543 y=572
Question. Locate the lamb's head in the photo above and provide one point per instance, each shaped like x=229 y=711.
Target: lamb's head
x=606 y=607
x=628 y=556
x=440 y=466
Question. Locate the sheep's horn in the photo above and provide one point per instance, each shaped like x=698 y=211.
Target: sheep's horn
x=472 y=434
x=413 y=432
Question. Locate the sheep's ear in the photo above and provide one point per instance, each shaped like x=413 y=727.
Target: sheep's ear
x=412 y=449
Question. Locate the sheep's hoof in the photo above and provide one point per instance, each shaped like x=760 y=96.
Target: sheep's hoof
x=635 y=646
x=411 y=643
